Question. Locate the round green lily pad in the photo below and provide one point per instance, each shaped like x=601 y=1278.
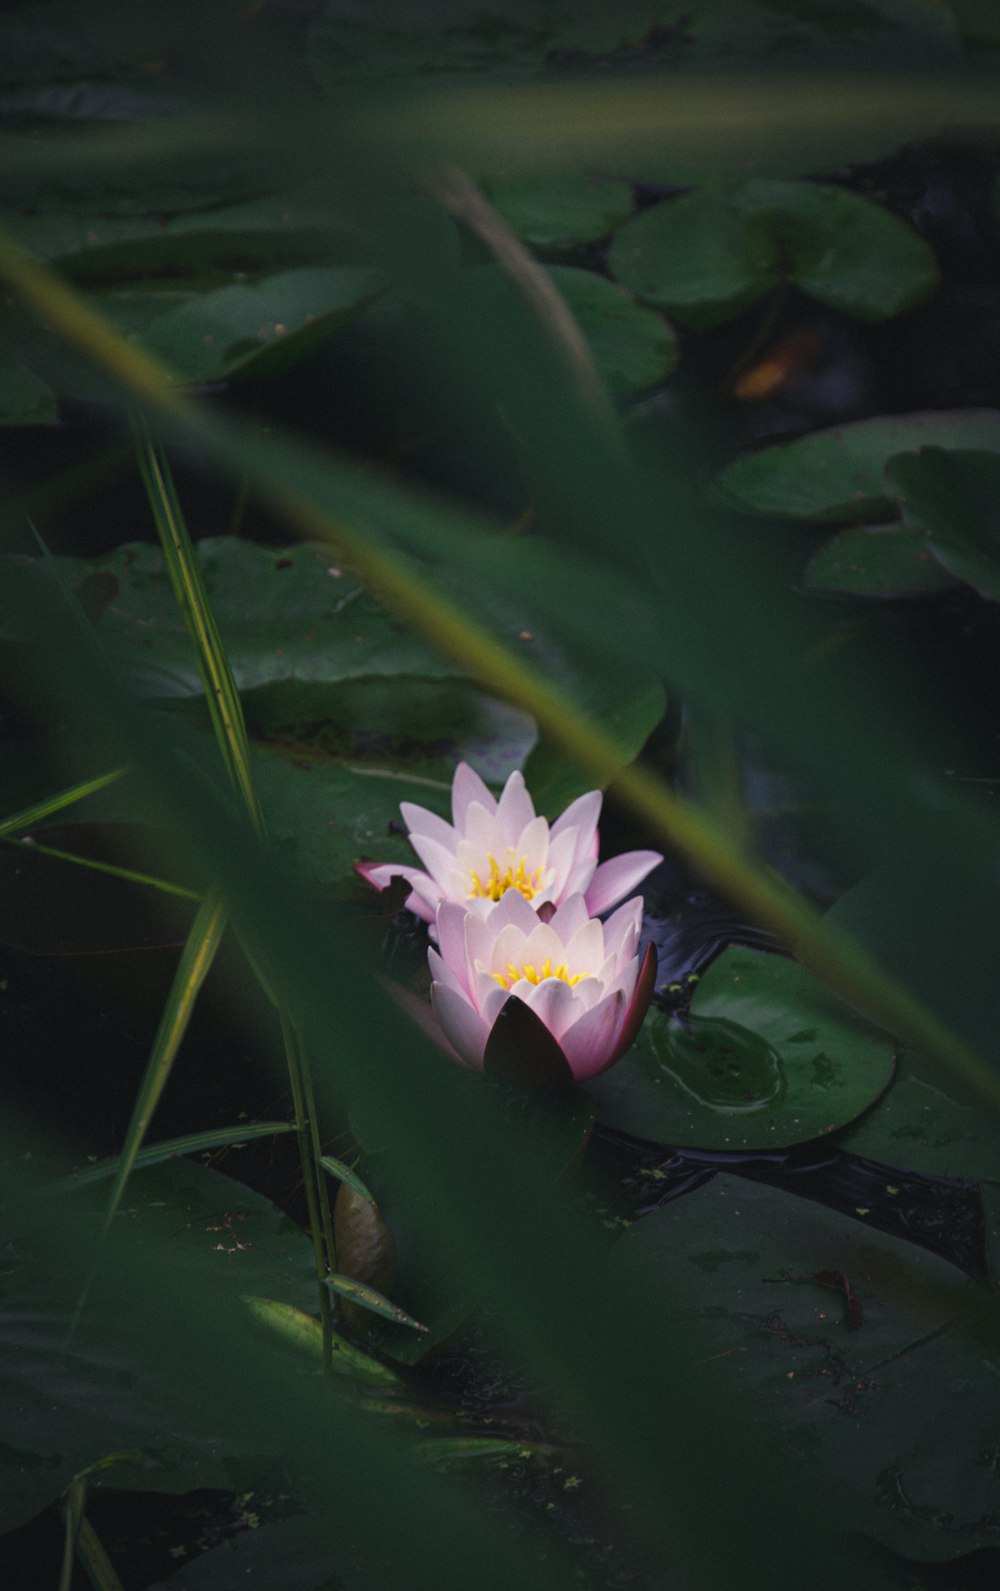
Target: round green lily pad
x=771 y=1059
x=633 y=346
x=556 y=212
x=708 y=255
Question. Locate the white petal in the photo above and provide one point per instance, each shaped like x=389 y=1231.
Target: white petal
x=515 y=809
x=540 y=944
x=467 y=787
x=439 y=861
x=617 y=877
x=481 y=829
x=507 y=947
x=562 y=850
x=419 y=821
x=589 y=991
x=491 y=997
x=533 y=845
x=569 y=917
x=462 y=1025
x=585 y=951
x=512 y=908
x=555 y=1002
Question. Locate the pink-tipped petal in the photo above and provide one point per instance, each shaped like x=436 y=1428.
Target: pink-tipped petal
x=555 y=1002
x=451 y=924
x=467 y=787
x=581 y=814
x=637 y=1007
x=589 y=1043
x=438 y=860
x=617 y=877
x=624 y=924
x=419 y=821
x=463 y=1026
x=569 y=917
x=515 y=809
x=443 y=974
x=381 y=874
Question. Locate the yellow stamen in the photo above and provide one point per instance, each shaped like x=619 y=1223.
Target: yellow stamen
x=497 y=883
x=533 y=974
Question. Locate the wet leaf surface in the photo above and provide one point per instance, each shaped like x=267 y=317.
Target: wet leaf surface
x=765 y=1059
x=862 y=1406
x=953 y=499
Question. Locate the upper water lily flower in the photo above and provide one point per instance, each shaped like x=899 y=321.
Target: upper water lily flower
x=495 y=848
x=560 y=994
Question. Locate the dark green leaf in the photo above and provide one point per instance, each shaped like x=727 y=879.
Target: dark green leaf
x=918 y=1126
x=876 y=561
x=69 y=1401
x=257 y=329
x=840 y=474
x=891 y=1415
x=953 y=500
x=771 y=1059
x=710 y=254
x=556 y=212
x=24 y=398
x=633 y=347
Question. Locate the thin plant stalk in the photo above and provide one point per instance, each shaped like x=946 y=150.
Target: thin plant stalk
x=226 y=712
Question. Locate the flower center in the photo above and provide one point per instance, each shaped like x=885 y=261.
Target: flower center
x=497 y=883
x=510 y=976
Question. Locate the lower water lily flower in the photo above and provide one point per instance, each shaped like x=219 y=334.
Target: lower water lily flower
x=540 y=998
x=495 y=848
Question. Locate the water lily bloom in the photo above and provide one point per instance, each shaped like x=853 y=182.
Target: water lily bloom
x=581 y=980
x=495 y=848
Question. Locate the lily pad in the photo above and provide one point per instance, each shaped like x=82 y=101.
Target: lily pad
x=770 y=1059
x=708 y=255
x=877 y=561
x=633 y=347
x=887 y=1405
x=68 y=1401
x=839 y=474
x=953 y=500
x=917 y=1125
x=258 y=329
x=558 y=212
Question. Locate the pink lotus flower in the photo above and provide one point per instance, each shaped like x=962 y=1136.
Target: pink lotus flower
x=580 y=979
x=495 y=848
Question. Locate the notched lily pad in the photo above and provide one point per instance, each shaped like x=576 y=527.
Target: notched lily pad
x=839 y=475
x=769 y=1059
x=708 y=255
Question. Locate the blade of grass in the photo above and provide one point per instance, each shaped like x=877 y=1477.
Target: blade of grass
x=226 y=712
x=196 y=960
x=31 y=816
x=169 y=1148
x=110 y=868
x=344 y=1174
x=371 y=1298
x=833 y=954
